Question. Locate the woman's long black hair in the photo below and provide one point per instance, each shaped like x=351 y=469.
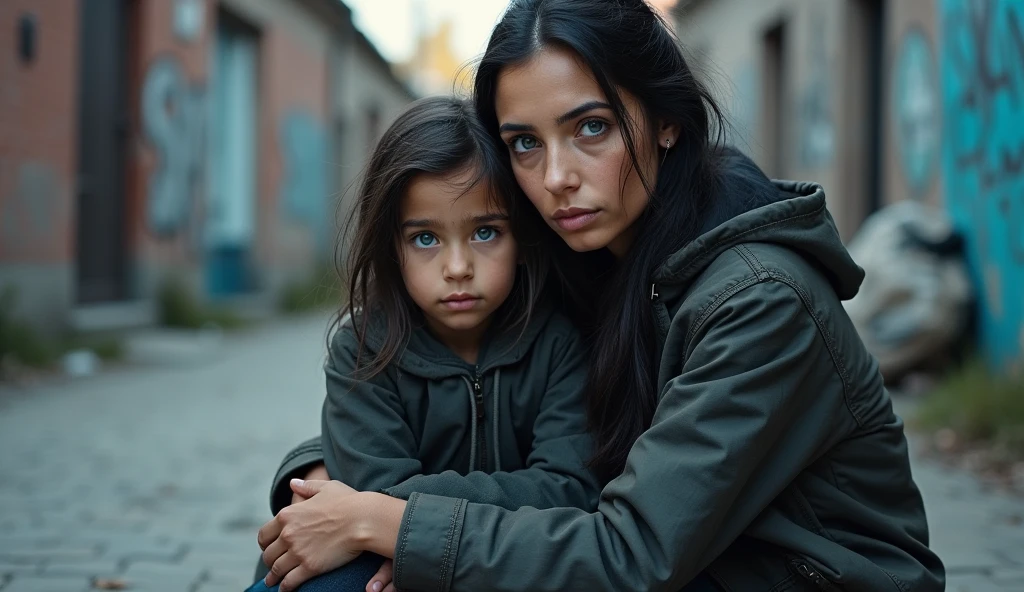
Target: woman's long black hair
x=629 y=48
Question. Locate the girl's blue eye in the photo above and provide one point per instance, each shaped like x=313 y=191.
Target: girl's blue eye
x=594 y=128
x=523 y=143
x=424 y=240
x=485 y=234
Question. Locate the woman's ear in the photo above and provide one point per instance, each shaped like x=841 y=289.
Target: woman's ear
x=668 y=134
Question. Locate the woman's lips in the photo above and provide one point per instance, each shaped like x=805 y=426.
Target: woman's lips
x=460 y=302
x=571 y=219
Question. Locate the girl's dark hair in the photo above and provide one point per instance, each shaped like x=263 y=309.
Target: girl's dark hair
x=628 y=48
x=434 y=136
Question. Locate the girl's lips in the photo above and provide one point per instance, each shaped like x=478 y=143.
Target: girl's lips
x=460 y=302
x=576 y=221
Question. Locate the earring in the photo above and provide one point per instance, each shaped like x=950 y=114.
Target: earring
x=668 y=144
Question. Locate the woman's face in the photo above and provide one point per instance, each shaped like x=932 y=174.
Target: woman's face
x=568 y=152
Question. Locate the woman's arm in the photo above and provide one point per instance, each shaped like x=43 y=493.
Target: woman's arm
x=758 y=395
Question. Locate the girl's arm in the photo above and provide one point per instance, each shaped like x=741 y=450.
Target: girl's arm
x=368 y=443
x=305 y=461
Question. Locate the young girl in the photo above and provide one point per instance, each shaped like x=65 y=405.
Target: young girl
x=448 y=375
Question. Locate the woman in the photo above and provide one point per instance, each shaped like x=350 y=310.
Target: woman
x=744 y=431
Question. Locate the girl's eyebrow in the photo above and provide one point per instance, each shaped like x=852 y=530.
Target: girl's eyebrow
x=428 y=223
x=484 y=219
x=560 y=120
x=514 y=127
x=420 y=223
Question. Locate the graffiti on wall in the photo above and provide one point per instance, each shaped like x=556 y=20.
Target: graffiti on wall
x=173 y=118
x=982 y=62
x=304 y=184
x=916 y=104
x=817 y=127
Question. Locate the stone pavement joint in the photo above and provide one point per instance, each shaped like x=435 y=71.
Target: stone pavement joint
x=158 y=476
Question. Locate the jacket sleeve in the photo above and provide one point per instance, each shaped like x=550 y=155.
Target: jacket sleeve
x=299 y=461
x=555 y=472
x=368 y=443
x=746 y=413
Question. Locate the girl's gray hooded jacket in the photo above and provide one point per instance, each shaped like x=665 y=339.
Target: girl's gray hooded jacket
x=508 y=431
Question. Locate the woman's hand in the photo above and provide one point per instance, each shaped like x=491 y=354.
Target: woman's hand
x=317 y=473
x=313 y=536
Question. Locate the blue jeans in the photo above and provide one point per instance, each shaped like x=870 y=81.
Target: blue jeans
x=354 y=576
x=351 y=577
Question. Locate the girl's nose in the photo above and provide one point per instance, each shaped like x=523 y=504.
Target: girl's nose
x=459 y=265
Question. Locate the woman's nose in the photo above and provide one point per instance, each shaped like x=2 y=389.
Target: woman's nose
x=560 y=172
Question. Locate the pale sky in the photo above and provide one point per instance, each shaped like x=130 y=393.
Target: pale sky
x=392 y=25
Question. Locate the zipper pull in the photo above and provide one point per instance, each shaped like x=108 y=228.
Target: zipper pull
x=479 y=394
x=654 y=292
x=481 y=443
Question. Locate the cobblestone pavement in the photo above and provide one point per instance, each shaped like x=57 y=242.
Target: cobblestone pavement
x=157 y=476
x=154 y=475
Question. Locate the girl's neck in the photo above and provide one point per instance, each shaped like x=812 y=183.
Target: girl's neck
x=465 y=343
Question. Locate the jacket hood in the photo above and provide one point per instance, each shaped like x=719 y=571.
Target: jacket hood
x=794 y=217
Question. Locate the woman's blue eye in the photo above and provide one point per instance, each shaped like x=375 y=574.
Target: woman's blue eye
x=485 y=234
x=523 y=143
x=594 y=128
x=424 y=239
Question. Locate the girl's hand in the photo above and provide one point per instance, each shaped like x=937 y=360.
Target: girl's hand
x=382 y=581
x=311 y=537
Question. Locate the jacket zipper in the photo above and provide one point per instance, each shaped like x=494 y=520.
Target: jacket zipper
x=481 y=444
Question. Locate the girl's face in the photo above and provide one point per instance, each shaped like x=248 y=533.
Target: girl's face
x=458 y=257
x=568 y=152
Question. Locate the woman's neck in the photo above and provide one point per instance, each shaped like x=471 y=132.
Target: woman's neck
x=620 y=245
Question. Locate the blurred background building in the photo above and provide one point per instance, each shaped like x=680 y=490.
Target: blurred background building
x=202 y=140
x=210 y=140
x=882 y=101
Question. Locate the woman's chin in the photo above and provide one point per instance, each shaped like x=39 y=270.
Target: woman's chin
x=583 y=242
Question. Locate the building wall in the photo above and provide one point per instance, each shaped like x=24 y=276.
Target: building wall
x=38 y=155
x=317 y=82
x=292 y=108
x=951 y=118
x=367 y=100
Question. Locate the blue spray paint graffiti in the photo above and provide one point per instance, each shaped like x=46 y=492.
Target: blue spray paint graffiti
x=983 y=96
x=916 y=111
x=173 y=119
x=304 y=186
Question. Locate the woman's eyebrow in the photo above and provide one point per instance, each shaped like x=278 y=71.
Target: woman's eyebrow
x=588 y=106
x=560 y=120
